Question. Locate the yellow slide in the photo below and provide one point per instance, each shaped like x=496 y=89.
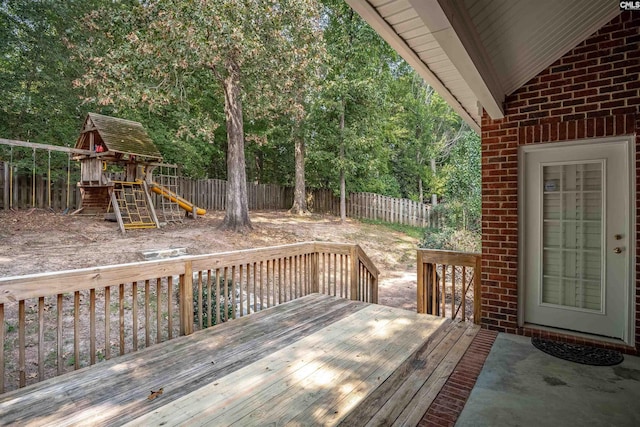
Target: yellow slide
x=184 y=204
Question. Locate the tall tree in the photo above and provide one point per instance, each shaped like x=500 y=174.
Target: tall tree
x=37 y=68
x=349 y=104
x=250 y=47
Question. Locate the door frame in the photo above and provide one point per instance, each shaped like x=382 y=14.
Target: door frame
x=629 y=143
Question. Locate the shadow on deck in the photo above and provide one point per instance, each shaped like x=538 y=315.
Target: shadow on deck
x=317 y=360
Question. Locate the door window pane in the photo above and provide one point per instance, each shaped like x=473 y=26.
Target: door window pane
x=572 y=207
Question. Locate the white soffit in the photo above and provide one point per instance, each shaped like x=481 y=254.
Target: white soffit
x=523 y=37
x=399 y=25
x=476 y=52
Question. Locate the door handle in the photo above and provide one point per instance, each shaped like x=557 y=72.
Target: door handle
x=617 y=250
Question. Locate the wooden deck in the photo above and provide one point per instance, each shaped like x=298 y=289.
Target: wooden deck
x=318 y=360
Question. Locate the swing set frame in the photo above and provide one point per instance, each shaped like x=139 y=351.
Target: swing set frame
x=11 y=176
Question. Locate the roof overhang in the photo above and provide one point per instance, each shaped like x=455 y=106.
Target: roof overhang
x=476 y=52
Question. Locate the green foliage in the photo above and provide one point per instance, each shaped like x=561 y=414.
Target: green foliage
x=451 y=239
x=10 y=327
x=216 y=302
x=461 y=183
x=409 y=230
x=304 y=66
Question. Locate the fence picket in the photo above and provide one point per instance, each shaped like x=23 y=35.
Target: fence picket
x=210 y=194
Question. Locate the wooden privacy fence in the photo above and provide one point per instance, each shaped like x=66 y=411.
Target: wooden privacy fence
x=444 y=280
x=376 y=207
x=23 y=191
x=211 y=194
x=61 y=321
x=18 y=192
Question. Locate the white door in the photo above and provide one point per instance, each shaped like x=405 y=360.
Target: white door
x=577 y=237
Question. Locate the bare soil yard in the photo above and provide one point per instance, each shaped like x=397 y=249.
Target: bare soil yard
x=38 y=241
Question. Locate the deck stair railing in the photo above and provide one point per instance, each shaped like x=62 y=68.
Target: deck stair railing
x=444 y=281
x=61 y=321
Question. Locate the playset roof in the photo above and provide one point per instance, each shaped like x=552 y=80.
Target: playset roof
x=118 y=136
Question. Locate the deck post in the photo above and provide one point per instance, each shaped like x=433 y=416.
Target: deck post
x=477 y=283
x=354 y=273
x=374 y=285
x=186 y=300
x=421 y=284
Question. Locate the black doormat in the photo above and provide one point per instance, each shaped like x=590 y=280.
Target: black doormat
x=578 y=353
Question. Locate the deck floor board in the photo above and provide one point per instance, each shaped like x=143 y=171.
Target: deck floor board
x=317 y=360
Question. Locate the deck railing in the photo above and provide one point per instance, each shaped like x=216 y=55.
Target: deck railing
x=444 y=280
x=62 y=321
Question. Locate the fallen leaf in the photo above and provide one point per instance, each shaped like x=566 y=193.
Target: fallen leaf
x=155 y=394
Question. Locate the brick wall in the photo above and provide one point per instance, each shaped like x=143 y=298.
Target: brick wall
x=592 y=91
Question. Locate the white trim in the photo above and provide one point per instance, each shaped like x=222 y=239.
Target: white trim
x=450 y=24
x=373 y=18
x=629 y=142
x=633 y=239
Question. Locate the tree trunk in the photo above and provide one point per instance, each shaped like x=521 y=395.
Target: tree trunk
x=300 y=193
x=343 y=185
x=237 y=214
x=434 y=196
x=420 y=190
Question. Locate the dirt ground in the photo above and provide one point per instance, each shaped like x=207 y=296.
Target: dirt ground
x=36 y=241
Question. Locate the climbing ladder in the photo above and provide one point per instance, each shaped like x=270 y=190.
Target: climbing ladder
x=168 y=179
x=132 y=205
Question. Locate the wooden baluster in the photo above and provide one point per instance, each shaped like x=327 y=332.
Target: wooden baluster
x=40 y=338
x=303 y=264
x=268 y=281
x=170 y=306
x=92 y=326
x=255 y=308
x=147 y=314
x=121 y=316
x=325 y=269
x=434 y=289
x=283 y=279
x=280 y=290
x=209 y=302
x=453 y=291
x=421 y=303
x=200 y=318
x=308 y=277
x=225 y=292
x=60 y=367
x=134 y=313
x=292 y=284
x=345 y=276
x=21 y=344
x=464 y=292
x=443 y=290
x=248 y=286
x=159 y=310
x=335 y=275
x=274 y=282
x=240 y=279
x=233 y=292
x=2 y=349
x=218 y=295
x=300 y=277
x=76 y=329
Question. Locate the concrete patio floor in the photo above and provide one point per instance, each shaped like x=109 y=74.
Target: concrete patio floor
x=522 y=386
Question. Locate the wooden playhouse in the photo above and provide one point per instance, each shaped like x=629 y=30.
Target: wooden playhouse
x=115 y=141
